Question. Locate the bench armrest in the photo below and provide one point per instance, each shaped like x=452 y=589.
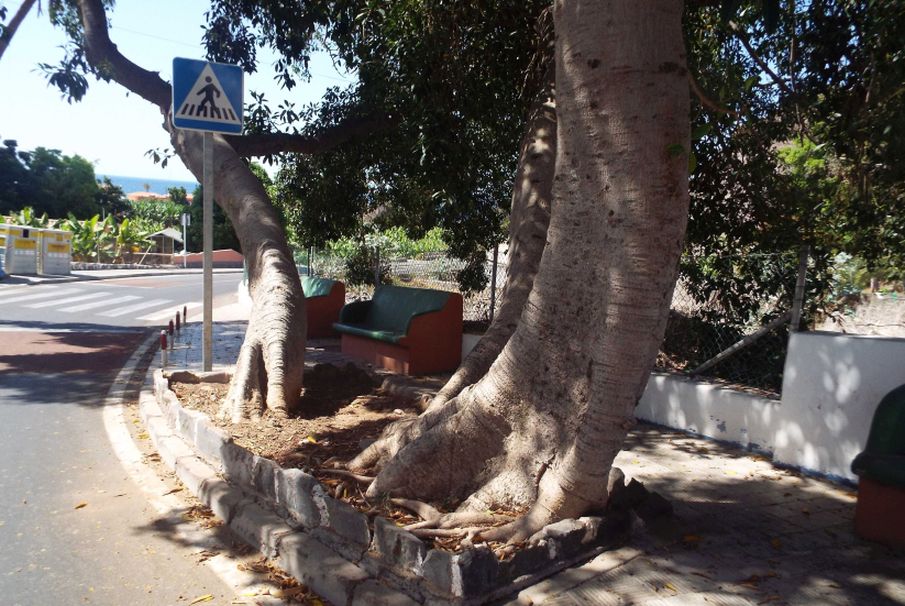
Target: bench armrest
x=355 y=312
x=884 y=468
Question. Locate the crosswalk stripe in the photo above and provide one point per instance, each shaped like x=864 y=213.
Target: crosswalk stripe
x=67 y=300
x=166 y=313
x=127 y=310
x=43 y=295
x=95 y=304
x=13 y=290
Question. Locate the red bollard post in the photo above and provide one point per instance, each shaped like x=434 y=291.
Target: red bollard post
x=178 y=328
x=170 y=332
x=185 y=314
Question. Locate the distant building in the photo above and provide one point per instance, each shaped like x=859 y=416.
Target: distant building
x=146 y=195
x=137 y=196
x=165 y=241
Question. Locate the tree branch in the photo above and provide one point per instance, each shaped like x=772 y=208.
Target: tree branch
x=272 y=143
x=10 y=30
x=760 y=62
x=707 y=101
x=106 y=58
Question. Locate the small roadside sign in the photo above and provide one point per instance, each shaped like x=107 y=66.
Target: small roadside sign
x=207 y=96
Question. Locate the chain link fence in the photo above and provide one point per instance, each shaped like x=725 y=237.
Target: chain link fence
x=431 y=270
x=698 y=332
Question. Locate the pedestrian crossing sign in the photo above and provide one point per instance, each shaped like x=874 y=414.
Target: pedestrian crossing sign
x=207 y=96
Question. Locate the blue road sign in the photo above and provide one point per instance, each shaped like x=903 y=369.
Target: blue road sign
x=207 y=96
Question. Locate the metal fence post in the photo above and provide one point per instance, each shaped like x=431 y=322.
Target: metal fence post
x=310 y=258
x=798 y=300
x=377 y=266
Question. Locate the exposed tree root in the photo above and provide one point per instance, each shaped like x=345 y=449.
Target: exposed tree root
x=425 y=511
x=245 y=398
x=349 y=475
x=396 y=436
x=529 y=220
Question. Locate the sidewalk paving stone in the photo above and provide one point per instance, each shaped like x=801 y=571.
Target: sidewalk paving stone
x=745 y=533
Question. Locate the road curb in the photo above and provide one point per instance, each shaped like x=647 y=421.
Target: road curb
x=313 y=563
x=328 y=545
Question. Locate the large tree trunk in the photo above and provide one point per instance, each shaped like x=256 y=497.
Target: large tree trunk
x=268 y=372
x=541 y=429
x=529 y=219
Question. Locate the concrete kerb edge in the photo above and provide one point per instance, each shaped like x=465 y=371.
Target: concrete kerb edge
x=250 y=494
x=246 y=513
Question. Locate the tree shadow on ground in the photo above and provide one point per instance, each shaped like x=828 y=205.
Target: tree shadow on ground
x=747 y=532
x=49 y=364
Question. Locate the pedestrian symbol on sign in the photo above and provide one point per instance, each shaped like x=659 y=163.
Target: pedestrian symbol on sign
x=206 y=102
x=208 y=91
x=207 y=96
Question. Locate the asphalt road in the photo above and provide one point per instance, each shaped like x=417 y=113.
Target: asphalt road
x=74 y=528
x=93 y=300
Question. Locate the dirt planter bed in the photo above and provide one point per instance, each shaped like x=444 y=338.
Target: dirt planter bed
x=337 y=551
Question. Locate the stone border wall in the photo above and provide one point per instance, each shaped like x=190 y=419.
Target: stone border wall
x=330 y=546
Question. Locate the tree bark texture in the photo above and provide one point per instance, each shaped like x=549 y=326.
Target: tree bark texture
x=540 y=430
x=10 y=30
x=529 y=218
x=269 y=370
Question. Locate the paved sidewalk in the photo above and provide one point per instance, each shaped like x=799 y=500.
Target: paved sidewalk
x=745 y=533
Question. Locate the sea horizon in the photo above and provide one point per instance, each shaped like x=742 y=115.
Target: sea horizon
x=156 y=186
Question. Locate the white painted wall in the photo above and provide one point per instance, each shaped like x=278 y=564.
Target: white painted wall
x=709 y=410
x=832 y=384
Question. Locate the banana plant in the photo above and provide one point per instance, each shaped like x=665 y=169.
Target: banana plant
x=85 y=236
x=27 y=218
x=129 y=238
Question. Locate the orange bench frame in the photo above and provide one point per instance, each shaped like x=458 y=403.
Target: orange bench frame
x=433 y=343
x=321 y=312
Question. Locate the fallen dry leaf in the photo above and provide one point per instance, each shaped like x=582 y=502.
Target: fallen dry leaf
x=202 y=598
x=172 y=491
x=291 y=592
x=81 y=505
x=691 y=539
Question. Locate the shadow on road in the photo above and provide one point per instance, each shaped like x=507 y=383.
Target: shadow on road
x=42 y=363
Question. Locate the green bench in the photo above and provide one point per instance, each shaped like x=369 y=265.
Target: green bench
x=411 y=331
x=324 y=298
x=880 y=513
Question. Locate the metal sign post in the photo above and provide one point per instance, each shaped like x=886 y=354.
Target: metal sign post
x=207 y=229
x=186 y=221
x=207 y=96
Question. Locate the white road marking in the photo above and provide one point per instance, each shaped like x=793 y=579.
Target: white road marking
x=13 y=290
x=162 y=314
x=67 y=300
x=127 y=310
x=96 y=304
x=158 y=494
x=43 y=295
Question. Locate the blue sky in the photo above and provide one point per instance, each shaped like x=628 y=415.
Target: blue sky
x=111 y=129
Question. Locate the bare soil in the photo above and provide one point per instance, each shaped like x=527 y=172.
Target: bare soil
x=343 y=410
